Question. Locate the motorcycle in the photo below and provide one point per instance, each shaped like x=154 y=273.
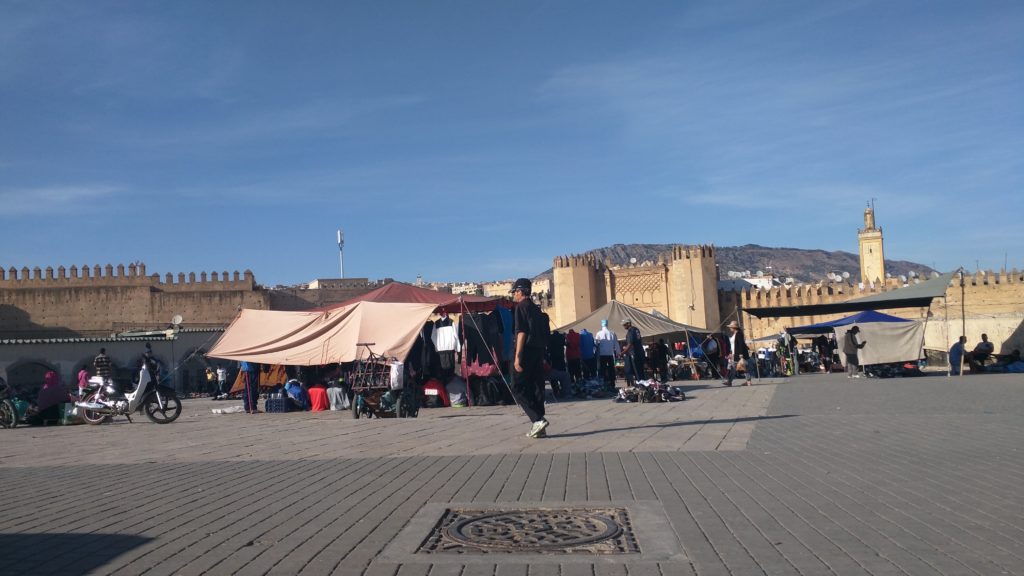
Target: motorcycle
x=104 y=400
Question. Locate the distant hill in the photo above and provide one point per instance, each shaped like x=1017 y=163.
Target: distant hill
x=803 y=266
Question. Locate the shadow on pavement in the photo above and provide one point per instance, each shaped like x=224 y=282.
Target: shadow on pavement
x=674 y=425
x=63 y=553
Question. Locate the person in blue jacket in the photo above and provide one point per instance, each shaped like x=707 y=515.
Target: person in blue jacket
x=587 y=356
x=956 y=356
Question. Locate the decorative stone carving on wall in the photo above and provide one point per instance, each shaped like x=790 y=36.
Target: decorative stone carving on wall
x=635 y=289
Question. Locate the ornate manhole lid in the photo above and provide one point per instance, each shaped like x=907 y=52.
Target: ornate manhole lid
x=546 y=531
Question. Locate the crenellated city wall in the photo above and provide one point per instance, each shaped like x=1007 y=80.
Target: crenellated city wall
x=96 y=301
x=120 y=275
x=681 y=284
x=993 y=303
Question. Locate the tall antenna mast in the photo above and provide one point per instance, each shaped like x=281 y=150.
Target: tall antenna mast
x=341 y=252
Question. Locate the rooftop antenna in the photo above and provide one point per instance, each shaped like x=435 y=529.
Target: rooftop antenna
x=341 y=252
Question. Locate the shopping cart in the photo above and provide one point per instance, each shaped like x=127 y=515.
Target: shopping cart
x=379 y=389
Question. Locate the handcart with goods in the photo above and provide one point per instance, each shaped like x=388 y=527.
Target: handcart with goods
x=379 y=388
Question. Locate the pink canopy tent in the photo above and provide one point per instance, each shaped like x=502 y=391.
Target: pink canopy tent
x=323 y=337
x=407 y=293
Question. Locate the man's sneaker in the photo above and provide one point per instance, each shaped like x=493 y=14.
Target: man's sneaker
x=538 y=427
x=542 y=434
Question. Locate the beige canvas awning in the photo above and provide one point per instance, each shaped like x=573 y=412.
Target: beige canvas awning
x=614 y=312
x=314 y=338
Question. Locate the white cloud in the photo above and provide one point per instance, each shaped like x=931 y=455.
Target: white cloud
x=54 y=199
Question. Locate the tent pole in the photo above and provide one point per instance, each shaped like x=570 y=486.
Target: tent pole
x=949 y=365
x=963 y=305
x=963 y=319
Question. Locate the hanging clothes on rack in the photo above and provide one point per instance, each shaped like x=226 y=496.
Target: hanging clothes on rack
x=446 y=341
x=477 y=328
x=556 y=350
x=423 y=358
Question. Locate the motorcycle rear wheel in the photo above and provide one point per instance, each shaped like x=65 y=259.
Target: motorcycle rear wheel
x=8 y=414
x=170 y=412
x=92 y=416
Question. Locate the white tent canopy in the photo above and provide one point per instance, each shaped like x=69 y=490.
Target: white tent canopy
x=886 y=341
x=314 y=338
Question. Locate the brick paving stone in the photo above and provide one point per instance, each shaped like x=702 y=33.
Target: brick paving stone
x=511 y=570
x=811 y=475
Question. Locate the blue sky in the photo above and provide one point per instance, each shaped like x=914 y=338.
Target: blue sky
x=478 y=140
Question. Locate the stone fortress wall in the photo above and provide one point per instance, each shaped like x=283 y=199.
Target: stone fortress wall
x=993 y=303
x=95 y=301
x=682 y=285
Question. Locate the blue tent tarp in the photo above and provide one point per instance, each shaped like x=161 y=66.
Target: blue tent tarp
x=864 y=317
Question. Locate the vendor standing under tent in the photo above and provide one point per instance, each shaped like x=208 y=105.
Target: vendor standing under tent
x=634 y=353
x=607 y=349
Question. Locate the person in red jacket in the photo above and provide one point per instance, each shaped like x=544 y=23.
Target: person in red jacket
x=572 y=355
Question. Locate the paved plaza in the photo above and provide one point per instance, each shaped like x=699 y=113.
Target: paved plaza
x=809 y=475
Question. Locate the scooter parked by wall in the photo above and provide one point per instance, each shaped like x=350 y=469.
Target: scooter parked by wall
x=104 y=400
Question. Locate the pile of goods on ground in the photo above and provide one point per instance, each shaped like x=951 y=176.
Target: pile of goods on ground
x=651 y=391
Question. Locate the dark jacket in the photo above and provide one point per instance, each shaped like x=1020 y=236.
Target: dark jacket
x=741 y=350
x=851 y=343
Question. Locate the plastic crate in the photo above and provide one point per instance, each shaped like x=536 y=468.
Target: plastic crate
x=276 y=405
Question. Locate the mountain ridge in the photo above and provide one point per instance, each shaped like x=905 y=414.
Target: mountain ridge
x=801 y=264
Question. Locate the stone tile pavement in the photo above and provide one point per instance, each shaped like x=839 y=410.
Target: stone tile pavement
x=814 y=475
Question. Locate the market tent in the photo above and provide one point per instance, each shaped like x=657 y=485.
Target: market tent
x=650 y=325
x=886 y=341
x=888 y=338
x=916 y=295
x=400 y=292
x=315 y=338
x=866 y=316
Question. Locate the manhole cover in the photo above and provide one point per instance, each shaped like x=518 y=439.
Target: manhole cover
x=546 y=531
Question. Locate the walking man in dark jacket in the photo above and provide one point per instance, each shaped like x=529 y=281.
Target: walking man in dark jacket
x=528 y=362
x=737 y=351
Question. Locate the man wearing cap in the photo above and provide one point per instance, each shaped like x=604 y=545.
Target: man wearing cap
x=737 y=350
x=634 y=353
x=528 y=362
x=607 y=349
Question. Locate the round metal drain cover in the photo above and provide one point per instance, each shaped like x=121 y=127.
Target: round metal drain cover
x=537 y=531
x=533 y=530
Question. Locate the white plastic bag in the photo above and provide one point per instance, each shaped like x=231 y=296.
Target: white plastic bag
x=397 y=375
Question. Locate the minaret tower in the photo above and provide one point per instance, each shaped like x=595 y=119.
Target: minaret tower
x=872 y=261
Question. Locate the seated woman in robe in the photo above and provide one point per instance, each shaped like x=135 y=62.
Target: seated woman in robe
x=47 y=409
